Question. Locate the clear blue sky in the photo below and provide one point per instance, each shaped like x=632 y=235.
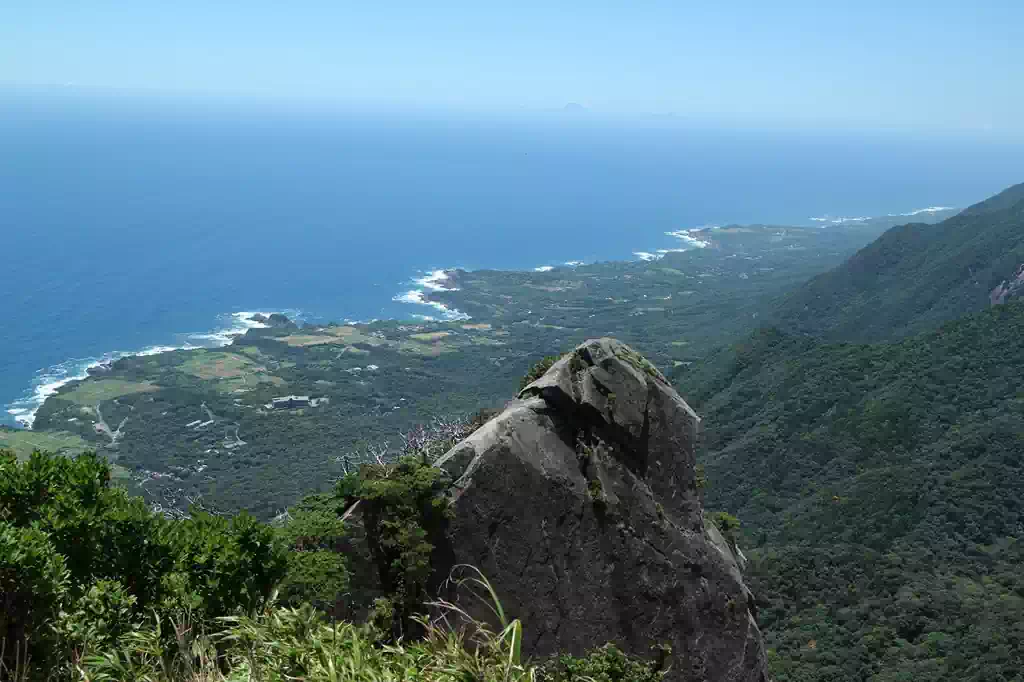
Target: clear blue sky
x=937 y=64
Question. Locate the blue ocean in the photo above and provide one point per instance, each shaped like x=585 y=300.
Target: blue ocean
x=129 y=227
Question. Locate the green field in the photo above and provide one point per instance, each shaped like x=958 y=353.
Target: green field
x=23 y=443
x=218 y=365
x=92 y=392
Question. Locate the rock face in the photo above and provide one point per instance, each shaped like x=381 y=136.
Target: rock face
x=1008 y=288
x=580 y=504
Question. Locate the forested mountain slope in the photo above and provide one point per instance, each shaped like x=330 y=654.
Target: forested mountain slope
x=881 y=489
x=915 y=276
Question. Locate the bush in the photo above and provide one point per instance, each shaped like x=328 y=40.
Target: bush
x=728 y=524
x=606 y=664
x=98 y=619
x=70 y=544
x=33 y=584
x=100 y=531
x=228 y=565
x=538 y=370
x=317 y=573
x=404 y=512
x=317 y=577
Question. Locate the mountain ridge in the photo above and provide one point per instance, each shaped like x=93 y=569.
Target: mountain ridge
x=870 y=440
x=915 y=276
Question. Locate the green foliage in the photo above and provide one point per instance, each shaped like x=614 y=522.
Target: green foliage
x=317 y=572
x=538 y=369
x=97 y=620
x=318 y=577
x=728 y=524
x=404 y=511
x=228 y=564
x=700 y=479
x=83 y=564
x=607 y=664
x=879 y=486
x=33 y=584
x=298 y=644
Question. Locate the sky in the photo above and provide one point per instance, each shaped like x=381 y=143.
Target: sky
x=939 y=64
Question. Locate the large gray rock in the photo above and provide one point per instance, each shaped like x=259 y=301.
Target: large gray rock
x=579 y=503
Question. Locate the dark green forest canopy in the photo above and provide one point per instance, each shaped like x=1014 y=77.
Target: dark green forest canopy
x=880 y=486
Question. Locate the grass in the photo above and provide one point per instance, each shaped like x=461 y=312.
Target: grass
x=281 y=644
x=343 y=335
x=23 y=442
x=430 y=337
x=219 y=365
x=93 y=391
x=231 y=371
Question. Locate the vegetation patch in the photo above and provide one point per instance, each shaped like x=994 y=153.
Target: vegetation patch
x=217 y=365
x=430 y=337
x=341 y=335
x=91 y=392
x=23 y=443
x=639 y=362
x=538 y=370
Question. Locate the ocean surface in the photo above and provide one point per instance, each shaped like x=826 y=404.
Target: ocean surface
x=127 y=228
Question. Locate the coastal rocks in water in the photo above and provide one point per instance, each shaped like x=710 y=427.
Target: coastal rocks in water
x=273 y=321
x=580 y=504
x=279 y=321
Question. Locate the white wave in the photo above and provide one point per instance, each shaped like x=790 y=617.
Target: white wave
x=544 y=268
x=240 y=323
x=432 y=281
x=48 y=382
x=574 y=263
x=417 y=297
x=839 y=221
x=930 y=209
x=646 y=255
x=435 y=281
x=687 y=237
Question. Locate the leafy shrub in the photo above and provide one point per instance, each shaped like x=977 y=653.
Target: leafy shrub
x=317 y=577
x=33 y=583
x=71 y=544
x=98 y=619
x=607 y=664
x=228 y=564
x=404 y=512
x=317 y=572
x=538 y=370
x=728 y=524
x=99 y=530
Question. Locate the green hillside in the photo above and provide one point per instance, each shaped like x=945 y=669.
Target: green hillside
x=915 y=276
x=880 y=487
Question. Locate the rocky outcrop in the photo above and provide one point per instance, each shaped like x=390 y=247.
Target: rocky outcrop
x=1008 y=288
x=580 y=504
